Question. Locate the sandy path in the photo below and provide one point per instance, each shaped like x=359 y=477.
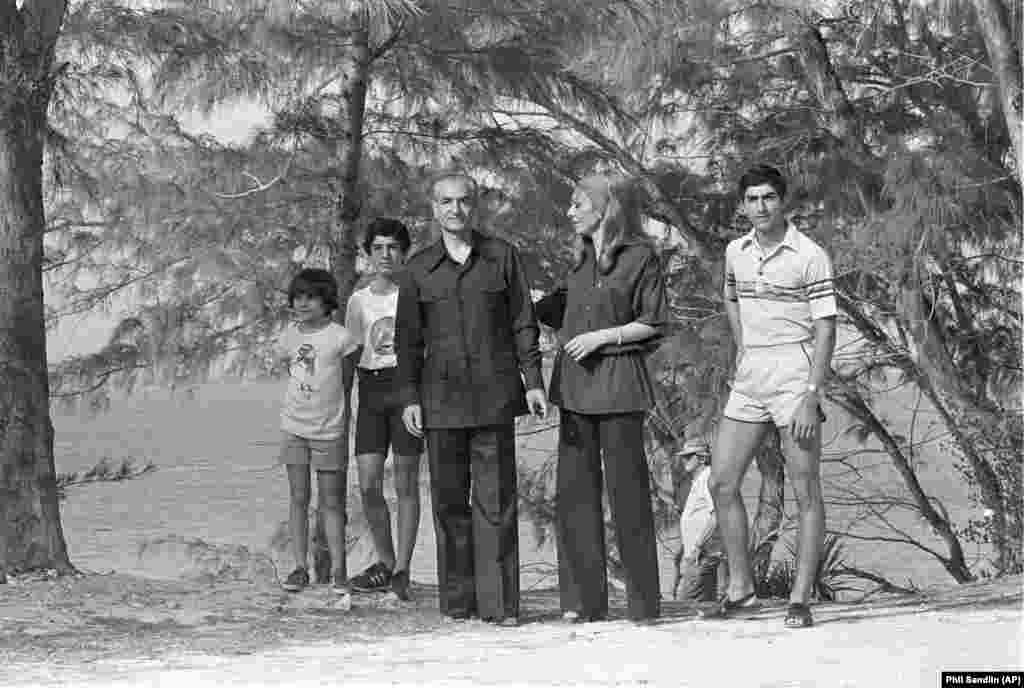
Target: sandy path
x=895 y=644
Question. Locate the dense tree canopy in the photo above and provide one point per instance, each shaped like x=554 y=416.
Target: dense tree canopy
x=898 y=123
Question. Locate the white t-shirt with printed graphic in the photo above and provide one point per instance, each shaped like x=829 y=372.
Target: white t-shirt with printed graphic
x=314 y=403
x=370 y=317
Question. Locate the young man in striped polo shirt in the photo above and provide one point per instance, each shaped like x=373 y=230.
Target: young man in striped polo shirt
x=782 y=310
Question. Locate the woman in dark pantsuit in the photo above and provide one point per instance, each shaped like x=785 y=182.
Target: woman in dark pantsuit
x=609 y=310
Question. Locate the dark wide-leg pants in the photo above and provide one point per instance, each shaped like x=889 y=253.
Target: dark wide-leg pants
x=473 y=489
x=582 y=562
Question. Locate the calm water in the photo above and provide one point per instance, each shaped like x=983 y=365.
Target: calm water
x=217 y=479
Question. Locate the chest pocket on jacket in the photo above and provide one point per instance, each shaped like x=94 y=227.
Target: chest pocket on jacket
x=613 y=294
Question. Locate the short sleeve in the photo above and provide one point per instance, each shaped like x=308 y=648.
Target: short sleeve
x=819 y=287
x=649 y=303
x=354 y=317
x=730 y=277
x=283 y=345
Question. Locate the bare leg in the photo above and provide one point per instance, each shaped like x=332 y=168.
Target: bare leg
x=298 y=512
x=407 y=487
x=804 y=467
x=371 y=485
x=735 y=445
x=331 y=492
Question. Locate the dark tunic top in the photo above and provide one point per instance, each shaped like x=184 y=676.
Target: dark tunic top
x=464 y=333
x=614 y=378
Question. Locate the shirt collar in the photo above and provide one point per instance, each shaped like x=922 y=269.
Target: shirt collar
x=789 y=239
x=436 y=252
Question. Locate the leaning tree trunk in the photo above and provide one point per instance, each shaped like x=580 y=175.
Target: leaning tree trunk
x=932 y=368
x=30 y=529
x=1004 y=55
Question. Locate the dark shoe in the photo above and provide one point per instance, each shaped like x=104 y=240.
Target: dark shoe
x=400 y=585
x=321 y=562
x=799 y=616
x=507 y=622
x=730 y=608
x=297 y=580
x=574 y=617
x=375 y=578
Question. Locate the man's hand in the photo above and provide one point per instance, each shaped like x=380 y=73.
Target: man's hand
x=537 y=402
x=582 y=345
x=412 y=416
x=806 y=420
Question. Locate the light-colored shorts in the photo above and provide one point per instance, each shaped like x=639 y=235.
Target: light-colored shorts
x=320 y=455
x=770 y=383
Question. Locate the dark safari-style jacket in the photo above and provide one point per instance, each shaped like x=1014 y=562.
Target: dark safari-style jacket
x=466 y=335
x=614 y=378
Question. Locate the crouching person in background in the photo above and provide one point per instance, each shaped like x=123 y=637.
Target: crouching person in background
x=701 y=551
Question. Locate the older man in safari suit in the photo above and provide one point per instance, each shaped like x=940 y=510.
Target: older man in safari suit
x=466 y=339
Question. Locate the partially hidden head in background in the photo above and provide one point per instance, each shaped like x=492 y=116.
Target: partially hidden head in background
x=607 y=207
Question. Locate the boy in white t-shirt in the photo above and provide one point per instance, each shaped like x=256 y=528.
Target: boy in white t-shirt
x=313 y=416
x=370 y=317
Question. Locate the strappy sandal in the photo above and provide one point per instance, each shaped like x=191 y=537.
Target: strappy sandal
x=727 y=608
x=799 y=616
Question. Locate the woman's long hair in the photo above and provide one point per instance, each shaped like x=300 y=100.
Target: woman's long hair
x=620 y=222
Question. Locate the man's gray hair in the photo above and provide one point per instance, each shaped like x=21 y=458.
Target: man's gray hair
x=452 y=173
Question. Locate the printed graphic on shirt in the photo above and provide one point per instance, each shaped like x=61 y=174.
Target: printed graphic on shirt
x=371 y=320
x=314 y=402
x=303 y=368
x=382 y=336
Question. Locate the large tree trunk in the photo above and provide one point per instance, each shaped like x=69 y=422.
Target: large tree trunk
x=348 y=154
x=30 y=528
x=349 y=206
x=1004 y=56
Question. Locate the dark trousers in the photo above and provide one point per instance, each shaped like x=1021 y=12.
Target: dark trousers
x=582 y=563
x=473 y=488
x=699 y=582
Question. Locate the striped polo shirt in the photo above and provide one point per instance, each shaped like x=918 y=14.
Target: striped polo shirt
x=782 y=292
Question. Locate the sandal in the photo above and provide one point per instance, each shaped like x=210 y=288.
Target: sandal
x=727 y=608
x=798 y=615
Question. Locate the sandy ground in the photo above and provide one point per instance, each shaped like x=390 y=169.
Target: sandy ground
x=117 y=630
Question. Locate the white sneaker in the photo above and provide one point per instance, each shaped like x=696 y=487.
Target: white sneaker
x=343 y=590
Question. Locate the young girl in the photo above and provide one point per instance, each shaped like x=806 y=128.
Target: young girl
x=313 y=417
x=610 y=309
